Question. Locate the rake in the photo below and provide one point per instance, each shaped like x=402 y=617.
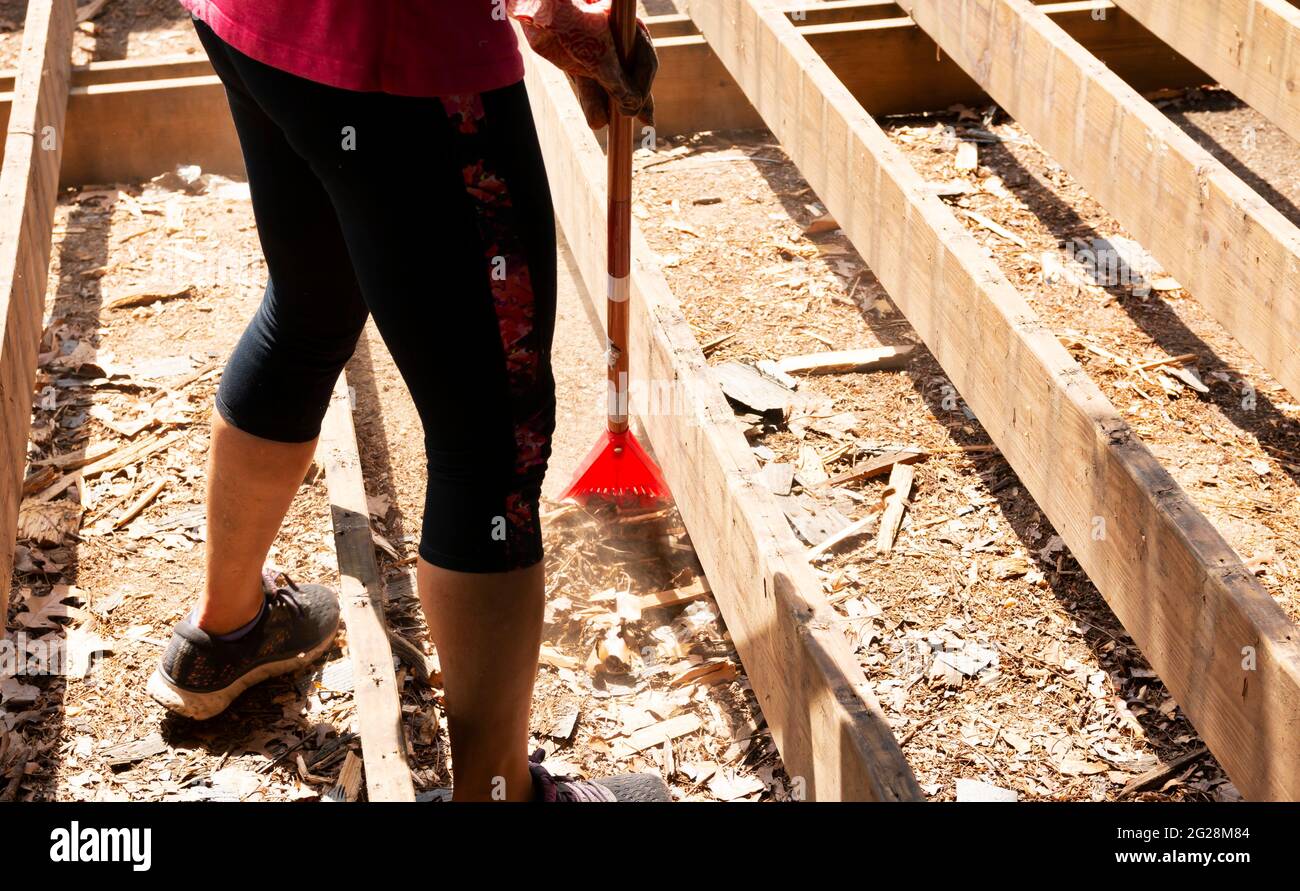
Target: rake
x=618 y=469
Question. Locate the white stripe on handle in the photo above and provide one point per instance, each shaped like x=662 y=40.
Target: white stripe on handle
x=619 y=289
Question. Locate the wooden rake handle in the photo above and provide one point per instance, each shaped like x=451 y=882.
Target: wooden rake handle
x=622 y=21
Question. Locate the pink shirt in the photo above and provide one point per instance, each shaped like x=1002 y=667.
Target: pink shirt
x=406 y=47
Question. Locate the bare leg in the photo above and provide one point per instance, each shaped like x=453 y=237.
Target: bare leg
x=251 y=483
x=488 y=630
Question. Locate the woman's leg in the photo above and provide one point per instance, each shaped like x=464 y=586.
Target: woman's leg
x=273 y=395
x=251 y=483
x=277 y=384
x=487 y=628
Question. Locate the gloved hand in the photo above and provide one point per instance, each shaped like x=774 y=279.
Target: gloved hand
x=574 y=35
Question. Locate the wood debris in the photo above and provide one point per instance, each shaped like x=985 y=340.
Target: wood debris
x=968 y=157
x=348 y=786
x=901 y=476
x=658 y=734
x=748 y=388
x=147 y=296
x=887 y=358
x=996 y=228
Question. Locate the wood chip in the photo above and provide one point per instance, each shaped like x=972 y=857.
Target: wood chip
x=874 y=467
x=147 y=296
x=135 y=508
x=749 y=388
x=553 y=658
x=968 y=156
x=820 y=225
x=676 y=596
x=850 y=531
x=657 y=734
x=777 y=477
x=1160 y=773
x=886 y=358
x=706 y=673
x=127 y=753
x=900 y=480
x=996 y=228
x=974 y=790
x=348 y=786
x=47 y=523
x=1181 y=359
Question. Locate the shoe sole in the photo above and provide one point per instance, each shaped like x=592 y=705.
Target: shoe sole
x=637 y=787
x=202 y=706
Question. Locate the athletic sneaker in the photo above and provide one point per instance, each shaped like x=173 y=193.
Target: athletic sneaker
x=645 y=787
x=200 y=675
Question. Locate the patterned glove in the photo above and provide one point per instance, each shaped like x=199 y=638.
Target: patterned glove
x=574 y=35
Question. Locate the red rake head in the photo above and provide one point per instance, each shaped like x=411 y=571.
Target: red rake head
x=620 y=471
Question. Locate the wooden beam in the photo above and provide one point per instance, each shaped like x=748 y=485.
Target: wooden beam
x=835 y=742
x=1238 y=255
x=123 y=131
x=33 y=148
x=361 y=597
x=128 y=70
x=1252 y=47
x=823 y=12
x=134 y=119
x=118 y=132
x=829 y=12
x=893 y=67
x=1227 y=652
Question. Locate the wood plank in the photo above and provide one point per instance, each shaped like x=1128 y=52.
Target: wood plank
x=1238 y=255
x=1227 y=652
x=361 y=597
x=1252 y=47
x=833 y=738
x=28 y=194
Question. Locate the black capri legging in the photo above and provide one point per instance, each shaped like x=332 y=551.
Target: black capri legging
x=434 y=216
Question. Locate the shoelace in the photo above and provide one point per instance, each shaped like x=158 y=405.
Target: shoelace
x=277 y=594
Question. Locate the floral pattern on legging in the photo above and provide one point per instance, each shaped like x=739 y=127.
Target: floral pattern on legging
x=512 y=296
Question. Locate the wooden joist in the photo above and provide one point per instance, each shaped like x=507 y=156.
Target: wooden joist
x=134 y=119
x=28 y=194
x=893 y=67
x=1252 y=47
x=1227 y=652
x=835 y=742
x=1235 y=253
x=361 y=598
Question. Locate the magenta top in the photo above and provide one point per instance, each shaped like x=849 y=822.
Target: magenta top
x=405 y=47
